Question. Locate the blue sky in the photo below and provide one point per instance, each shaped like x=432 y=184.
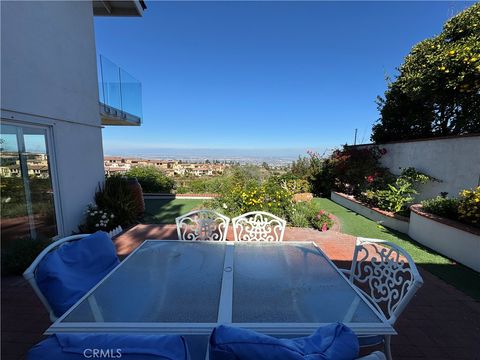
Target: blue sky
x=261 y=75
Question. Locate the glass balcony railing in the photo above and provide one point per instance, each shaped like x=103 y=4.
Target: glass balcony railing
x=120 y=95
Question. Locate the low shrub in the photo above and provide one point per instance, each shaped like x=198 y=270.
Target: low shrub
x=469 y=206
x=299 y=218
x=98 y=219
x=465 y=209
x=18 y=254
x=201 y=185
x=114 y=197
x=251 y=195
x=244 y=191
x=442 y=206
x=310 y=215
x=297 y=186
x=152 y=179
x=398 y=196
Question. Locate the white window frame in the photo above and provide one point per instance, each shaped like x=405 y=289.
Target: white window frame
x=52 y=164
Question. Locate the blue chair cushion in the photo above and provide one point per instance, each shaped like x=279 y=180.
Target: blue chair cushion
x=331 y=342
x=70 y=271
x=110 y=346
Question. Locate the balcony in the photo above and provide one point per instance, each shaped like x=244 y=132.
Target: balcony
x=120 y=95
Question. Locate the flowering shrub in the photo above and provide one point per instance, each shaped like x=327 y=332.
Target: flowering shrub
x=350 y=170
x=322 y=221
x=268 y=196
x=246 y=191
x=442 y=206
x=310 y=215
x=296 y=186
x=356 y=169
x=98 y=219
x=469 y=206
x=465 y=209
x=398 y=196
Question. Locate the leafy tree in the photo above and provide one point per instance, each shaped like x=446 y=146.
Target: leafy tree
x=437 y=91
x=152 y=179
x=301 y=168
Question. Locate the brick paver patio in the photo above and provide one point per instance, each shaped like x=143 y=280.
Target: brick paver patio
x=440 y=322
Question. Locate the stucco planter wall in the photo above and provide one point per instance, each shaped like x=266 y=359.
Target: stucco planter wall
x=455 y=240
x=394 y=222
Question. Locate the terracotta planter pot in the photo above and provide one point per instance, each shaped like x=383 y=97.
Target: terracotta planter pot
x=306 y=197
x=137 y=195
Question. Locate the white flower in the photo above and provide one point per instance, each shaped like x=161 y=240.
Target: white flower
x=104 y=216
x=225 y=206
x=96 y=225
x=112 y=216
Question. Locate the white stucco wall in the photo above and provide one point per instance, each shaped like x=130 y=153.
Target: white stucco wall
x=384 y=220
x=454 y=243
x=455 y=161
x=49 y=77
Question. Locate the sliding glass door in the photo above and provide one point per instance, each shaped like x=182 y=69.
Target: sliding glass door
x=27 y=197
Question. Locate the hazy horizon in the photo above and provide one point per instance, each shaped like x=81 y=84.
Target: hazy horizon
x=243 y=155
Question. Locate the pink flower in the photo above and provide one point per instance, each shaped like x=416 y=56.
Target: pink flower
x=370 y=179
x=321 y=212
x=330 y=216
x=324 y=227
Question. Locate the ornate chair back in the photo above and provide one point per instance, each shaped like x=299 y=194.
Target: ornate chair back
x=258 y=226
x=386 y=274
x=202 y=225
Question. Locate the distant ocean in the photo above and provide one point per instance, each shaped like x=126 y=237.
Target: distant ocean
x=243 y=156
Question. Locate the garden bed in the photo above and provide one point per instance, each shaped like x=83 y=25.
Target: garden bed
x=385 y=218
x=451 y=238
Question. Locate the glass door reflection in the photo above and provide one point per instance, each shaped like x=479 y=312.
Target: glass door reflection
x=27 y=198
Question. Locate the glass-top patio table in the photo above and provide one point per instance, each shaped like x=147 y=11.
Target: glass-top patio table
x=283 y=289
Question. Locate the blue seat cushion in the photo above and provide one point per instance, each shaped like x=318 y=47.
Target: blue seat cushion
x=331 y=342
x=110 y=346
x=70 y=271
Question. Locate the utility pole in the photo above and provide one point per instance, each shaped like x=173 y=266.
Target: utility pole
x=355 y=141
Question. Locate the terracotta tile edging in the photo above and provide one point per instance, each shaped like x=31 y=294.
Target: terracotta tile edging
x=418 y=209
x=377 y=210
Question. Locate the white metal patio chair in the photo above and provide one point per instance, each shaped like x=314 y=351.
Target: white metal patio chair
x=258 y=226
x=29 y=274
x=386 y=274
x=202 y=225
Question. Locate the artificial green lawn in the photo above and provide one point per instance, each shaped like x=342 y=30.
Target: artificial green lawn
x=165 y=211
x=457 y=275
